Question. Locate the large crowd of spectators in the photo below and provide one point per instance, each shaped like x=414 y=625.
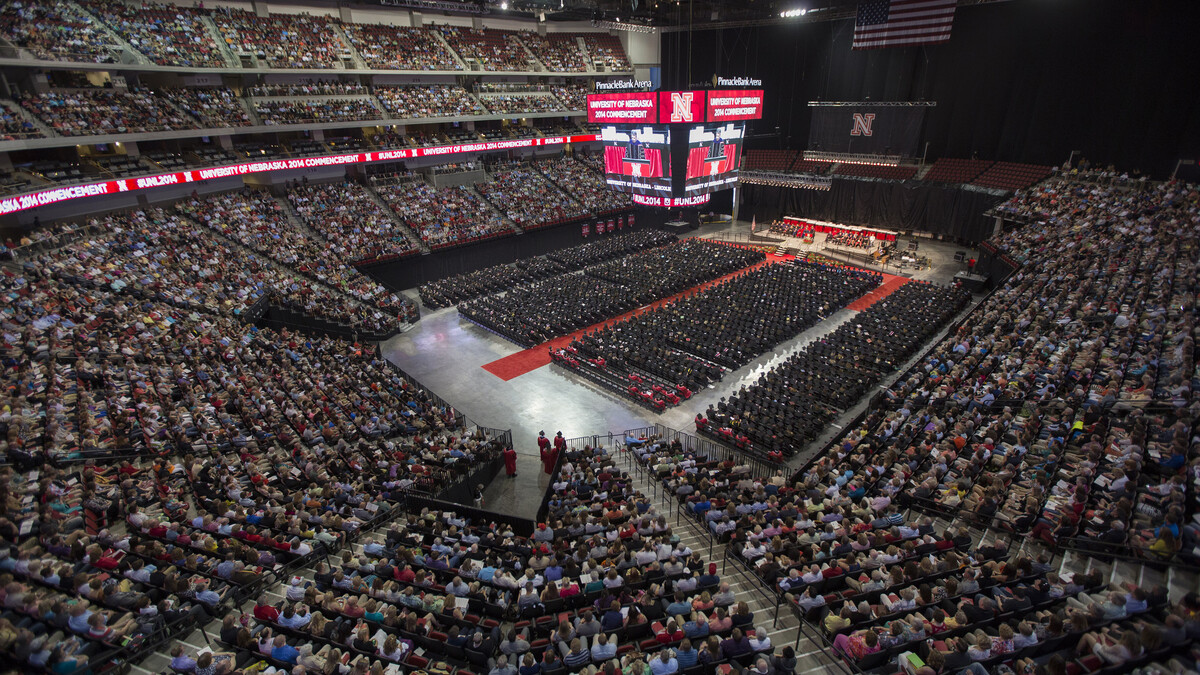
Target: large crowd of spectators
x=399 y=48
x=315 y=110
x=319 y=87
x=518 y=103
x=355 y=226
x=14 y=126
x=559 y=52
x=792 y=403
x=604 y=50
x=527 y=198
x=455 y=289
x=534 y=313
x=878 y=585
x=174 y=260
x=444 y=216
x=584 y=184
x=232 y=452
x=88 y=112
x=572 y=96
x=212 y=107
x=257 y=220
x=281 y=40
x=56 y=31
x=1060 y=409
x=435 y=100
x=686 y=345
x=488 y=49
x=167 y=34
x=1066 y=410
x=176 y=35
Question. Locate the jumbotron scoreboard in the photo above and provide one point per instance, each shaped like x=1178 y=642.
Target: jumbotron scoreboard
x=673 y=148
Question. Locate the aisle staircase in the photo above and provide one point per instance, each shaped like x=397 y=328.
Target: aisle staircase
x=437 y=34
x=37 y=123
x=231 y=59
x=129 y=53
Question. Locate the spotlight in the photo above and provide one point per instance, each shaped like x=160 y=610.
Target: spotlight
x=504 y=5
x=793 y=12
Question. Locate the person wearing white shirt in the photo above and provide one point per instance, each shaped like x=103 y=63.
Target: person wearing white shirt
x=760 y=641
x=813 y=575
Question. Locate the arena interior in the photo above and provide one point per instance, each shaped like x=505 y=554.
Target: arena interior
x=612 y=337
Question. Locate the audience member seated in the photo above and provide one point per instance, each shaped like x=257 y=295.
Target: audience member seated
x=850 y=238
x=559 y=52
x=14 y=126
x=257 y=220
x=518 y=103
x=318 y=87
x=452 y=290
x=605 y=51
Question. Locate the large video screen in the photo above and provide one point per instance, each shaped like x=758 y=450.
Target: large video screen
x=714 y=156
x=637 y=159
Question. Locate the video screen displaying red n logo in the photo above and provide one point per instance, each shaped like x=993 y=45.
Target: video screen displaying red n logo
x=862 y=124
x=681 y=106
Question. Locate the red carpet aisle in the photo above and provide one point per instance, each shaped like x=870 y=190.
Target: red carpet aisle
x=889 y=286
x=516 y=365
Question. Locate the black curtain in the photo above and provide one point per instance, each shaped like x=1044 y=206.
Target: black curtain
x=949 y=211
x=413 y=271
x=1027 y=81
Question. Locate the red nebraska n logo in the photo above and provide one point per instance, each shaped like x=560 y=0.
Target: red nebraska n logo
x=681 y=106
x=862 y=124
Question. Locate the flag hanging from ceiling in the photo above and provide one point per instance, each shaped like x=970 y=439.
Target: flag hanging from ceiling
x=901 y=23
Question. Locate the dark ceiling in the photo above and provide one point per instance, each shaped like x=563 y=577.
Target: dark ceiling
x=660 y=13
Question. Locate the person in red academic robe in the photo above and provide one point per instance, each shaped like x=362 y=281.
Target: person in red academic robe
x=549 y=455
x=560 y=443
x=510 y=462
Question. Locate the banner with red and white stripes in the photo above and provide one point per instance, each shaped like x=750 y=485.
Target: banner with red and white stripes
x=902 y=23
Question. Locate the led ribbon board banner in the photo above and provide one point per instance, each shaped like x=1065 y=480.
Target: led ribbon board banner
x=62 y=194
x=635 y=108
x=734 y=104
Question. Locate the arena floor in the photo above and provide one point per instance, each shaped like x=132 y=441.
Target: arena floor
x=448 y=355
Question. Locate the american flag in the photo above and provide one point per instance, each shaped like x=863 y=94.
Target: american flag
x=899 y=23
